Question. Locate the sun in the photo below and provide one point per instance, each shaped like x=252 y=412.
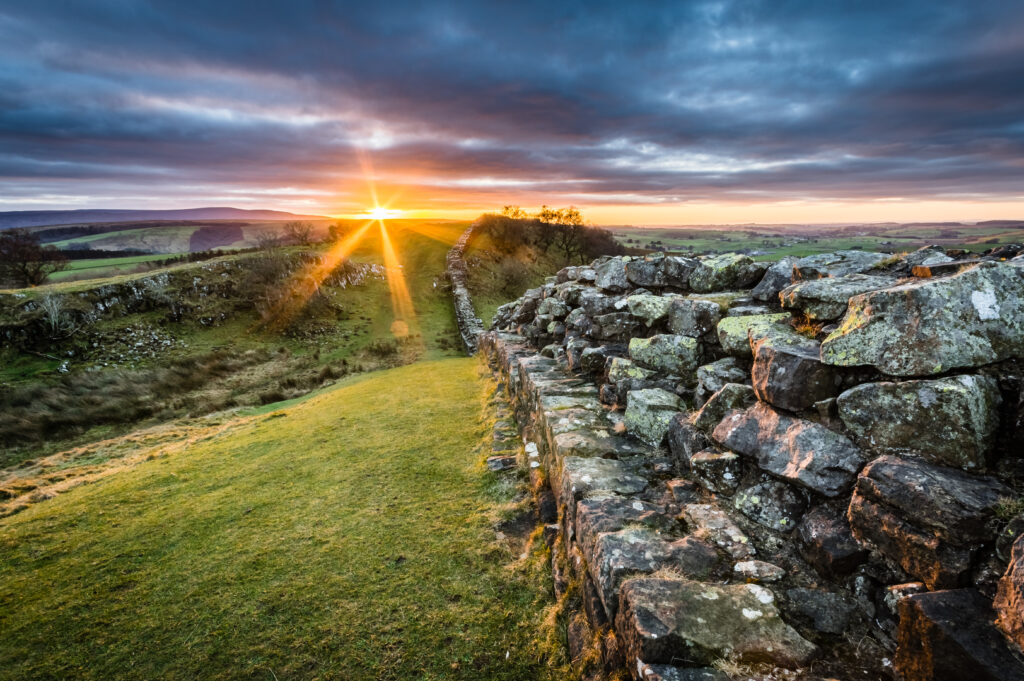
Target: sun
x=381 y=213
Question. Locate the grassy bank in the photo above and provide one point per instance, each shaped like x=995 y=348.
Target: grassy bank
x=346 y=536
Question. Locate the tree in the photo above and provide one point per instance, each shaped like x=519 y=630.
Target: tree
x=514 y=213
x=299 y=232
x=24 y=262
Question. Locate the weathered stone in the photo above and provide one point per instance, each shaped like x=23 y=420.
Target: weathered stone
x=948 y=420
x=748 y=310
x=611 y=275
x=720 y=530
x=717 y=473
x=593 y=360
x=648 y=413
x=788 y=372
x=758 y=571
x=711 y=378
x=665 y=672
x=930 y=326
x=677 y=269
x=622 y=369
x=926 y=255
x=615 y=326
x=1009 y=603
x=594 y=303
x=600 y=513
x=771 y=504
x=949 y=636
x=829 y=612
x=675 y=620
x=500 y=463
x=800 y=451
x=597 y=443
x=951 y=504
x=649 y=308
x=646 y=271
x=685 y=440
x=921 y=554
x=838 y=264
x=826 y=299
x=614 y=556
x=581 y=476
x=725 y=271
x=672 y=354
x=554 y=307
x=735 y=333
x=693 y=317
x=731 y=396
x=681 y=490
x=777 y=277
x=827 y=543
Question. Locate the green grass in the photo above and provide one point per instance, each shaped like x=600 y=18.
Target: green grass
x=103 y=267
x=344 y=537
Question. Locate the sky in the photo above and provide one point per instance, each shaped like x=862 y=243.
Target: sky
x=636 y=112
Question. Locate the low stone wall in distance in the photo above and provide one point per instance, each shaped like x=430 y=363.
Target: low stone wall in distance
x=470 y=326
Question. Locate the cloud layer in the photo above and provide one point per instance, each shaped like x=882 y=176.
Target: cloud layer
x=455 y=104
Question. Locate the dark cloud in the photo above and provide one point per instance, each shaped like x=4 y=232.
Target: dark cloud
x=658 y=102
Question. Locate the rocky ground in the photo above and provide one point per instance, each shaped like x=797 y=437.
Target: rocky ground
x=809 y=469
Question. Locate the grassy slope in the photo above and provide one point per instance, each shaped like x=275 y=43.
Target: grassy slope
x=343 y=537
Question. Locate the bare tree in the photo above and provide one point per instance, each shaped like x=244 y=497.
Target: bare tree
x=299 y=232
x=57 y=321
x=266 y=239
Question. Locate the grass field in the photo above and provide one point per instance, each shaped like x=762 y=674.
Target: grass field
x=346 y=536
x=103 y=267
x=771 y=242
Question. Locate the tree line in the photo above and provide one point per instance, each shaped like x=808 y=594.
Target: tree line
x=562 y=231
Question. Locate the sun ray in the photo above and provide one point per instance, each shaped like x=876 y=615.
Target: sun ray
x=401 y=301
x=304 y=284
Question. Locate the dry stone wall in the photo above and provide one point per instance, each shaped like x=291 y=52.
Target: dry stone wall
x=802 y=470
x=470 y=326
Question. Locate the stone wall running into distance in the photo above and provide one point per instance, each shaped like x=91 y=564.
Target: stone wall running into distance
x=470 y=326
x=804 y=470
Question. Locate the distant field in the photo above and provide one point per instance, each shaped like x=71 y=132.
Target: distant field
x=103 y=267
x=766 y=242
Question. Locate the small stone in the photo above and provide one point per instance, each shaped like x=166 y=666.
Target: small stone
x=827 y=543
x=771 y=504
x=717 y=473
x=731 y=396
x=719 y=528
x=758 y=571
x=897 y=592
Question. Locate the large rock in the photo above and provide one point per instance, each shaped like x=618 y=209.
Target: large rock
x=611 y=275
x=788 y=372
x=615 y=326
x=735 y=333
x=614 y=556
x=776 y=278
x=678 y=355
x=725 y=271
x=930 y=326
x=649 y=308
x=826 y=299
x=622 y=369
x=949 y=636
x=951 y=504
x=1009 y=603
x=928 y=519
x=948 y=420
x=829 y=612
x=693 y=317
x=838 y=264
x=593 y=302
x=666 y=672
x=605 y=512
x=678 y=620
x=648 y=413
x=659 y=271
x=797 y=450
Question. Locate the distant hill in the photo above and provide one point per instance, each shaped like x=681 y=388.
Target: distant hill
x=36 y=218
